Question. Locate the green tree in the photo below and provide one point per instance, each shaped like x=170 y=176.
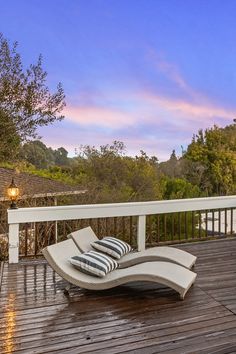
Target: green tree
x=61 y=157
x=36 y=153
x=110 y=176
x=101 y=171
x=214 y=152
x=24 y=95
x=179 y=188
x=143 y=178
x=9 y=139
x=172 y=167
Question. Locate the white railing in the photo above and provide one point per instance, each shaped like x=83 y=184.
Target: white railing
x=75 y=212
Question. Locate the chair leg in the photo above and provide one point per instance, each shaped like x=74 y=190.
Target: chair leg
x=67 y=289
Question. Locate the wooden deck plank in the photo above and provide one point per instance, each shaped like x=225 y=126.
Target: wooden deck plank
x=36 y=317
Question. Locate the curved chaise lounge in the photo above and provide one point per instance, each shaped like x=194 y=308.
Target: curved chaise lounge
x=169 y=274
x=84 y=237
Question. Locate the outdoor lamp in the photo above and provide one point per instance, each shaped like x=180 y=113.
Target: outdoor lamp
x=13 y=193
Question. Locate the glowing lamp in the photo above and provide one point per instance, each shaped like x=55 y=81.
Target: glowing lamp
x=13 y=193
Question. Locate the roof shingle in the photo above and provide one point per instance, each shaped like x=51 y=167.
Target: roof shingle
x=32 y=185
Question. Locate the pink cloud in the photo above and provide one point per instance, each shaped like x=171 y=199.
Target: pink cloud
x=172 y=73
x=199 y=112
x=196 y=107
x=169 y=70
x=142 y=118
x=149 y=108
x=105 y=117
x=152 y=145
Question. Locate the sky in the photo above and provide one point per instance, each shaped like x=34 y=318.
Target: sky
x=149 y=73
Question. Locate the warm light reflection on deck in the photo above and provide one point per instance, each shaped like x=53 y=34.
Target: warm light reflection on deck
x=10 y=316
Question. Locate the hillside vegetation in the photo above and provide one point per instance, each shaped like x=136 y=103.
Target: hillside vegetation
x=207 y=168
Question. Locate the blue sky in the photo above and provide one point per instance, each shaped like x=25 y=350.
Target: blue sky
x=150 y=73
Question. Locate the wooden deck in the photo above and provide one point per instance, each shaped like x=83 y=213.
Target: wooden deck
x=36 y=317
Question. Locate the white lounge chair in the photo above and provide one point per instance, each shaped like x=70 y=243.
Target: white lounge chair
x=84 y=237
x=169 y=274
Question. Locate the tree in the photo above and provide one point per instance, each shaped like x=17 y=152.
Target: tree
x=24 y=95
x=110 y=176
x=214 y=152
x=179 y=188
x=143 y=178
x=60 y=156
x=101 y=171
x=9 y=139
x=172 y=167
x=36 y=153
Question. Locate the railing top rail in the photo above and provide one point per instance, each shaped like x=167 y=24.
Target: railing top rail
x=73 y=212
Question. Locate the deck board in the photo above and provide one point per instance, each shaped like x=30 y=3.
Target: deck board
x=36 y=317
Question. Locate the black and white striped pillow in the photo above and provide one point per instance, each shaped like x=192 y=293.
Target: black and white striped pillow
x=112 y=246
x=94 y=263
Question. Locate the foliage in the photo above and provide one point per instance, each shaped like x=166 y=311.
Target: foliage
x=61 y=157
x=213 y=154
x=37 y=154
x=110 y=176
x=43 y=157
x=9 y=139
x=58 y=173
x=24 y=95
x=172 y=167
x=179 y=188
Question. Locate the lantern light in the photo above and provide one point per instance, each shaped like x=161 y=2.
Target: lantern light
x=13 y=194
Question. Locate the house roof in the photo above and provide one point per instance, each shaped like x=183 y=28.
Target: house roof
x=34 y=186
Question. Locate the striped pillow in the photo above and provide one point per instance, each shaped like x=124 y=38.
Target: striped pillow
x=94 y=263
x=112 y=246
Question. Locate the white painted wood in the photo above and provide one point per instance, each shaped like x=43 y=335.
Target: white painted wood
x=13 y=240
x=141 y=234
x=74 y=212
x=56 y=228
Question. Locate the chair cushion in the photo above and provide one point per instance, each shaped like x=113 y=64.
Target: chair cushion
x=94 y=263
x=112 y=246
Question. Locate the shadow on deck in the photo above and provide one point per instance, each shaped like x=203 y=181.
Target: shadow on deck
x=36 y=317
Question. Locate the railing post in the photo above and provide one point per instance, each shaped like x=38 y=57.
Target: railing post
x=13 y=243
x=56 y=226
x=141 y=236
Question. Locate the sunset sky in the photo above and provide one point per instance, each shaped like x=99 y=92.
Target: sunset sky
x=149 y=73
